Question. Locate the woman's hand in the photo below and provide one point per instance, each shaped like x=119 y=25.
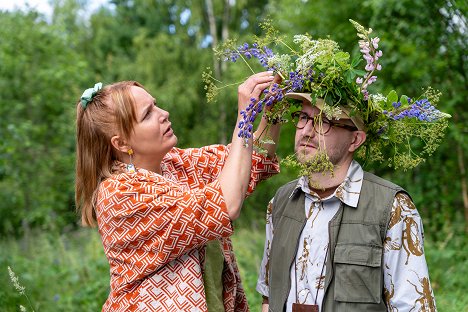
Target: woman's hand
x=253 y=87
x=234 y=178
x=277 y=79
x=267 y=131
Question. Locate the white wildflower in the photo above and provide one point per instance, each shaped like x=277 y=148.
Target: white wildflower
x=281 y=62
x=15 y=281
x=378 y=98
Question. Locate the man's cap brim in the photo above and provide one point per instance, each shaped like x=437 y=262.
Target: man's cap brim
x=358 y=122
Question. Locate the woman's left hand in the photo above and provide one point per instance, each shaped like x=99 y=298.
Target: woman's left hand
x=277 y=79
x=253 y=87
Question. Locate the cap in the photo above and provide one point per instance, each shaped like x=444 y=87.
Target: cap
x=345 y=114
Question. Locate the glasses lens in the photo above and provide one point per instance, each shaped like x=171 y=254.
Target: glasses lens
x=296 y=119
x=302 y=120
x=322 y=126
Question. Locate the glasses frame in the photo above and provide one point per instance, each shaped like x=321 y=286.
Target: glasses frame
x=332 y=123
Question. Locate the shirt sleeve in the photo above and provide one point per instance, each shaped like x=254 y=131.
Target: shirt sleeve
x=406 y=278
x=210 y=161
x=263 y=283
x=155 y=220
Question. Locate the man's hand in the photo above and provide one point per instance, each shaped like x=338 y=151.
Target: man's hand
x=265 y=304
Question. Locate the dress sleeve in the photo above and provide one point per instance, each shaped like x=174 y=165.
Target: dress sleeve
x=262 y=168
x=263 y=277
x=406 y=277
x=155 y=220
x=210 y=161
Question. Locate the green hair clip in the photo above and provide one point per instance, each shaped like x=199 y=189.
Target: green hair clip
x=88 y=94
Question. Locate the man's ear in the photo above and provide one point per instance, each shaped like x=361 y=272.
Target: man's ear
x=120 y=144
x=359 y=137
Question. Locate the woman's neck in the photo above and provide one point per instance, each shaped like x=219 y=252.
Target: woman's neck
x=153 y=164
x=154 y=167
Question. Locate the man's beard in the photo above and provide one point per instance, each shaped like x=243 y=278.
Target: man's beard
x=320 y=154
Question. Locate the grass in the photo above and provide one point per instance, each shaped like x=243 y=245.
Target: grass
x=60 y=273
x=70 y=272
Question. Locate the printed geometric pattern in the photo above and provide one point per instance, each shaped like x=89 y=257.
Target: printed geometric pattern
x=154 y=227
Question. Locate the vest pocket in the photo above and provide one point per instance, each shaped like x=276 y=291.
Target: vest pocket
x=358 y=276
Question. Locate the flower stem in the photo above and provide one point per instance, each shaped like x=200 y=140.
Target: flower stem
x=245 y=61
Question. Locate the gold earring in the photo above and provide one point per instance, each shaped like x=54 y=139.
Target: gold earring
x=130 y=167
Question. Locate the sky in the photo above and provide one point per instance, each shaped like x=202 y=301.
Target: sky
x=40 y=5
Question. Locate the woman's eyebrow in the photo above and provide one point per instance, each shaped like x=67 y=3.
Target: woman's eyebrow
x=146 y=110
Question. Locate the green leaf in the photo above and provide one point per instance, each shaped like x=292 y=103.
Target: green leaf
x=392 y=97
x=349 y=75
x=342 y=58
x=356 y=60
x=359 y=72
x=338 y=92
x=404 y=101
x=329 y=99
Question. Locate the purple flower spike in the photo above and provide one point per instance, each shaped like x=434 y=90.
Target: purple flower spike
x=421 y=110
x=371 y=55
x=251 y=52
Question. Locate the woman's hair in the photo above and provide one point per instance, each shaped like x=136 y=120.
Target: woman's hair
x=110 y=112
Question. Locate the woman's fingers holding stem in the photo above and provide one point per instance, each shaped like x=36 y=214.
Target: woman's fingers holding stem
x=254 y=86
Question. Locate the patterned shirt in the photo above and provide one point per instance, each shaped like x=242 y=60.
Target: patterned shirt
x=406 y=278
x=154 y=228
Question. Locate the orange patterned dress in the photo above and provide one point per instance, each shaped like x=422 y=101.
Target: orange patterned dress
x=154 y=227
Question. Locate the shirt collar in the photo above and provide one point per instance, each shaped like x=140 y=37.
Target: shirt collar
x=348 y=191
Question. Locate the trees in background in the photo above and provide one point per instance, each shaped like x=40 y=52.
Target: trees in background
x=166 y=45
x=427 y=43
x=40 y=75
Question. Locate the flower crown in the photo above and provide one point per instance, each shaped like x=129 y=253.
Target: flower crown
x=400 y=129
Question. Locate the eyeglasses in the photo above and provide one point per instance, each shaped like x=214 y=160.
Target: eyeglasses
x=321 y=125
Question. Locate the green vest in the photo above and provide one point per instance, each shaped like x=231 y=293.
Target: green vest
x=354 y=274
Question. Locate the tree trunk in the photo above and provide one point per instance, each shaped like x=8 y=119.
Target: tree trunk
x=218 y=66
x=224 y=37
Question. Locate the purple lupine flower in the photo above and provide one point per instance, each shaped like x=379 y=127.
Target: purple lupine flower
x=375 y=42
x=249 y=52
x=296 y=81
x=381 y=130
x=421 y=110
x=371 y=55
x=365 y=94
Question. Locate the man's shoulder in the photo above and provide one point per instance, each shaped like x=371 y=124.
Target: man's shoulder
x=291 y=185
x=284 y=192
x=370 y=177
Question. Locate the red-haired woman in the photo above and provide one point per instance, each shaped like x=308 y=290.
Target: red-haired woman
x=164 y=214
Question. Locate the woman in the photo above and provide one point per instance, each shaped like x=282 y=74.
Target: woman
x=164 y=214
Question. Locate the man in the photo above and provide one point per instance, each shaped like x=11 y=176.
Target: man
x=341 y=241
